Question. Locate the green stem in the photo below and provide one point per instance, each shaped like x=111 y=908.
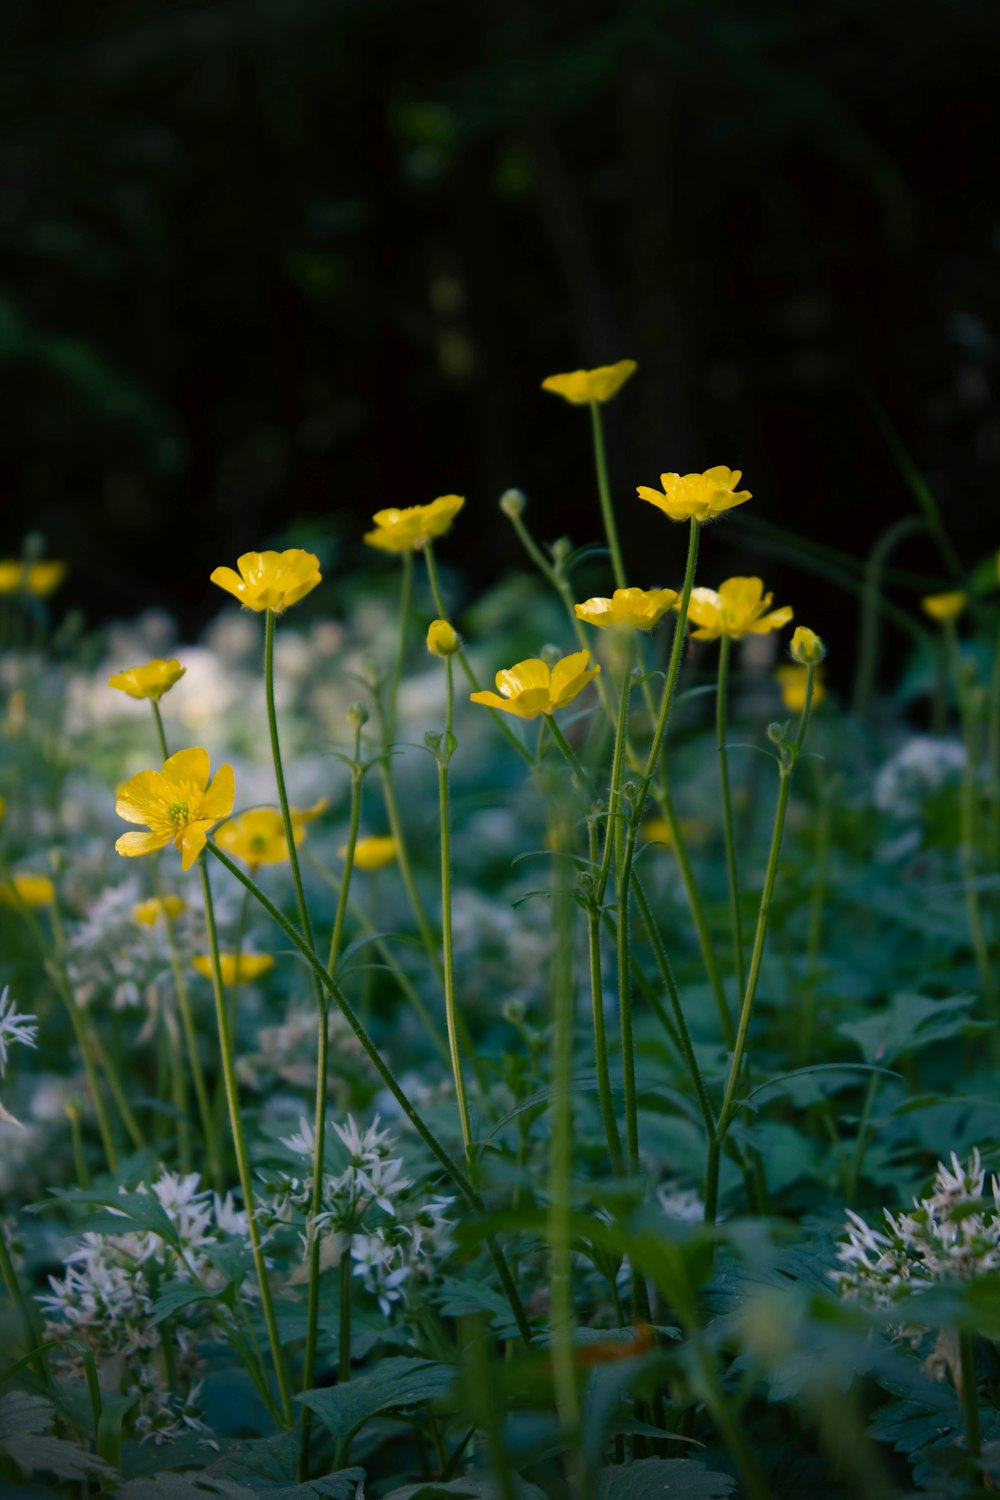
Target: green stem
x=732 y=874
x=239 y=1146
x=561 y=1161
x=117 y=1092
x=405 y=598
x=25 y=1309
x=611 y=836
x=870 y=622
x=160 y=732
x=344 y=1331
x=447 y=947
x=382 y=1068
x=600 y=1032
x=604 y=491
x=858 y=1154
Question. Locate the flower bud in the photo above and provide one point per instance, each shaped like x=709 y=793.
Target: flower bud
x=512 y=503
x=561 y=549
x=807 y=648
x=442 y=638
x=357 y=715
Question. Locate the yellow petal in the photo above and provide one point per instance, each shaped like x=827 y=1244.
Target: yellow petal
x=565 y=672
x=228 y=580
x=191 y=841
x=523 y=677
x=141 y=843
x=218 y=800
x=143 y=799
x=187 y=765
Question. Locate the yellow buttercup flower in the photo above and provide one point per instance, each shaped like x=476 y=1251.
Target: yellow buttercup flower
x=442 y=638
x=250 y=967
x=411 y=529
x=177 y=805
x=149 y=912
x=257 y=836
x=531 y=687
x=581 y=387
x=372 y=853
x=696 y=497
x=792 y=682
x=807 y=648
x=28 y=890
x=738 y=608
x=694 y=830
x=945 y=607
x=271 y=580
x=151 y=681
x=38 y=578
x=635 y=609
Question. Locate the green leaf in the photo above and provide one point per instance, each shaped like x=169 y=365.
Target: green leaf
x=131 y=1211
x=659 y=1478
x=184 y=1294
x=472 y=1487
x=395 y=1384
x=50 y=1455
x=22 y=1414
x=910 y=1022
x=109 y=1430
x=267 y=1466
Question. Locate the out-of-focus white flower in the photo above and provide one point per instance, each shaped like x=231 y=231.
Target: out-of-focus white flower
x=921 y=767
x=15 y=1028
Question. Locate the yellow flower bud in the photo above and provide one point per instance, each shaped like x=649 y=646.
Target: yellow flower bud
x=807 y=648
x=442 y=638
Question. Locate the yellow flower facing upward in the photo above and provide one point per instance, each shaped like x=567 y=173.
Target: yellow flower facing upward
x=257 y=836
x=148 y=913
x=635 y=609
x=945 y=607
x=696 y=497
x=151 y=681
x=271 y=580
x=372 y=853
x=531 y=687
x=582 y=387
x=38 y=578
x=177 y=805
x=792 y=682
x=442 y=638
x=411 y=529
x=250 y=966
x=739 y=607
x=28 y=890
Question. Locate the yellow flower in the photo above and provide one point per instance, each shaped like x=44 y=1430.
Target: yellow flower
x=697 y=497
x=581 y=387
x=739 y=608
x=945 y=607
x=257 y=836
x=271 y=580
x=373 y=853
x=177 y=805
x=150 y=681
x=411 y=529
x=28 y=890
x=38 y=578
x=792 y=682
x=3 y=808
x=636 y=609
x=531 y=688
x=148 y=913
x=442 y=638
x=806 y=648
x=251 y=966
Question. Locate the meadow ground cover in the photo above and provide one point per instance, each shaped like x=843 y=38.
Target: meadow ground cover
x=580 y=1085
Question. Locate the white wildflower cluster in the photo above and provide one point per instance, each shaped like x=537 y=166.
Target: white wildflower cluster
x=369 y=1210
x=954 y=1235
x=284 y=1052
x=920 y=768
x=109 y=957
x=15 y=1029
x=108 y=1294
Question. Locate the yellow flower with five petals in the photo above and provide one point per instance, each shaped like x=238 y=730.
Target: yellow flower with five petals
x=244 y=970
x=149 y=912
x=271 y=580
x=28 y=889
x=532 y=687
x=739 y=607
x=150 y=681
x=177 y=804
x=257 y=836
x=410 y=530
x=696 y=497
x=584 y=387
x=629 y=609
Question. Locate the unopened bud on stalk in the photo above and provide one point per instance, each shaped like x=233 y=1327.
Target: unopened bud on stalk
x=550 y=654
x=807 y=648
x=442 y=638
x=512 y=503
x=561 y=549
x=357 y=715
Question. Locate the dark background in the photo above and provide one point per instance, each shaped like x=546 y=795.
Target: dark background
x=270 y=265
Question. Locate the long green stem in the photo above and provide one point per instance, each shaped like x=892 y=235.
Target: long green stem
x=239 y=1146
x=597 y=1005
x=26 y=1310
x=604 y=491
x=381 y=1067
x=160 y=732
x=344 y=1329
x=447 y=947
x=732 y=874
x=561 y=1159
x=405 y=599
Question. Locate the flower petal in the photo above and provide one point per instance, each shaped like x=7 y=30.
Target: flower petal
x=228 y=580
x=187 y=766
x=141 y=843
x=191 y=841
x=523 y=677
x=218 y=800
x=143 y=799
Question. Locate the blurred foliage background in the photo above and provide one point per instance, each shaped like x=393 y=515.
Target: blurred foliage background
x=272 y=264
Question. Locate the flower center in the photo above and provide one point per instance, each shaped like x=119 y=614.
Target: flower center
x=177 y=813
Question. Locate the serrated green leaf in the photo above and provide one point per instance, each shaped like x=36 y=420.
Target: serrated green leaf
x=22 y=1414
x=395 y=1384
x=131 y=1211
x=663 y=1479
x=910 y=1022
x=472 y=1487
x=51 y=1455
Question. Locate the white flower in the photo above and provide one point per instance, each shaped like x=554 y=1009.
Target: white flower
x=14 y=1027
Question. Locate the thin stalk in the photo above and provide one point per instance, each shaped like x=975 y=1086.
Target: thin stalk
x=240 y=1148
x=600 y=1032
x=561 y=1163
x=447 y=947
x=604 y=492
x=381 y=1067
x=861 y=1141
x=160 y=732
x=76 y=1132
x=344 y=1330
x=83 y=1036
x=732 y=874
x=117 y=1092
x=405 y=598
x=870 y=620
x=178 y=1090
x=25 y=1309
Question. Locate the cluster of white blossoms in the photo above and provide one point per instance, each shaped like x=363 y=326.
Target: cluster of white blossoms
x=15 y=1029
x=921 y=767
x=368 y=1210
x=107 y=1299
x=954 y=1235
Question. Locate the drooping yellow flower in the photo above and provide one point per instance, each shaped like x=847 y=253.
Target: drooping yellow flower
x=807 y=648
x=271 y=580
x=442 y=638
x=149 y=912
x=177 y=805
x=697 y=497
x=531 y=687
x=372 y=853
x=28 y=889
x=151 y=681
x=251 y=966
x=257 y=836
x=629 y=609
x=738 y=608
x=581 y=387
x=792 y=682
x=38 y=578
x=411 y=529
x=945 y=607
